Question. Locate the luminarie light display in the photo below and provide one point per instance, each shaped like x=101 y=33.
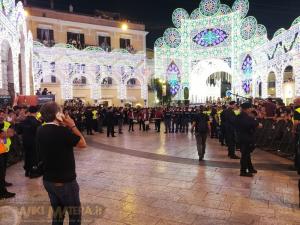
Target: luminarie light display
x=67 y=63
x=15 y=44
x=219 y=38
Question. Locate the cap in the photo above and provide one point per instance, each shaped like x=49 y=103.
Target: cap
x=246 y=105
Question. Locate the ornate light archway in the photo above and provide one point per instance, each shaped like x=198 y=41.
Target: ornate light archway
x=218 y=31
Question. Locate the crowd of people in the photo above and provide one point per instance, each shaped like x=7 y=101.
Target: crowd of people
x=233 y=124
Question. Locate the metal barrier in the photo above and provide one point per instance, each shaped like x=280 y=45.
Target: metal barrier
x=276 y=136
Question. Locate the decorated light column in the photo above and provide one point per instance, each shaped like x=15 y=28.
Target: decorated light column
x=296 y=71
x=279 y=82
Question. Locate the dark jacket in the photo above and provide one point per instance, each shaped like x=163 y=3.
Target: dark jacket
x=245 y=128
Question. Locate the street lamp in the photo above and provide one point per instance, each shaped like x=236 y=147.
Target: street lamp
x=124 y=26
x=26 y=13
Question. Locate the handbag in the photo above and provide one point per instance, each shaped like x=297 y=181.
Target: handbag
x=147 y=122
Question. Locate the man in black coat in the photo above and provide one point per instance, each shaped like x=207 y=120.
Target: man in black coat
x=28 y=129
x=110 y=120
x=245 y=127
x=228 y=120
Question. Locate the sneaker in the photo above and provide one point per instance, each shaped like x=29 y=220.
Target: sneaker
x=6 y=195
x=245 y=174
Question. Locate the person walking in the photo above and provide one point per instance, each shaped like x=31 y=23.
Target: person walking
x=55 y=141
x=201 y=126
x=245 y=127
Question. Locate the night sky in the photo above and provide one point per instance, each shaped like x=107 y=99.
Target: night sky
x=156 y=14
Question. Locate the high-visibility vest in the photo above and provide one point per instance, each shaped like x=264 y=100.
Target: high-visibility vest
x=237 y=112
x=2 y=147
x=7 y=141
x=94 y=114
x=38 y=115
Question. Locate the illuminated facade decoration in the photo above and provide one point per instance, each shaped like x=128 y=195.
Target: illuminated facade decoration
x=173 y=74
x=15 y=49
x=219 y=38
x=68 y=63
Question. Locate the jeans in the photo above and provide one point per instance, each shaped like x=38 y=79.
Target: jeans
x=201 y=144
x=64 y=198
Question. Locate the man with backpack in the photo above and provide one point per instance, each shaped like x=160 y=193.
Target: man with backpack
x=201 y=126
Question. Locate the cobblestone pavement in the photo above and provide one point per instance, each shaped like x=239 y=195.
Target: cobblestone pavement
x=155 y=179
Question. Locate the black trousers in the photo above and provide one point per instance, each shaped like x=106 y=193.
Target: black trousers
x=110 y=130
x=157 y=123
x=2 y=173
x=95 y=125
x=201 y=144
x=30 y=158
x=89 y=126
x=230 y=141
x=167 y=125
x=246 y=163
x=130 y=125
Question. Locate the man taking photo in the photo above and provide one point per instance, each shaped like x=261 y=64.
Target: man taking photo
x=55 y=142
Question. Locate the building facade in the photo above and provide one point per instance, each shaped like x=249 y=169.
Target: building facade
x=92 y=58
x=219 y=48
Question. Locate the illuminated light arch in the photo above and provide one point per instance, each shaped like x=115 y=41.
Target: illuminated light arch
x=14 y=29
x=198 y=41
x=201 y=72
x=91 y=62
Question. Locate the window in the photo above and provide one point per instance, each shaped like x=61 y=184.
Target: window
x=124 y=43
x=132 y=82
x=76 y=39
x=105 y=43
x=81 y=81
x=107 y=81
x=53 y=79
x=45 y=36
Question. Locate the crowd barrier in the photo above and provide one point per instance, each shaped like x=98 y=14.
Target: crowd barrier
x=276 y=136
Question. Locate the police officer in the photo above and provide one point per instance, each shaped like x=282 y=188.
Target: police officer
x=167 y=120
x=245 y=127
x=228 y=120
x=185 y=120
x=28 y=130
x=201 y=125
x=3 y=191
x=95 y=119
x=89 y=120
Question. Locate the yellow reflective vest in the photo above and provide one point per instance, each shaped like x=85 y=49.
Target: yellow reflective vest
x=94 y=114
x=7 y=141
